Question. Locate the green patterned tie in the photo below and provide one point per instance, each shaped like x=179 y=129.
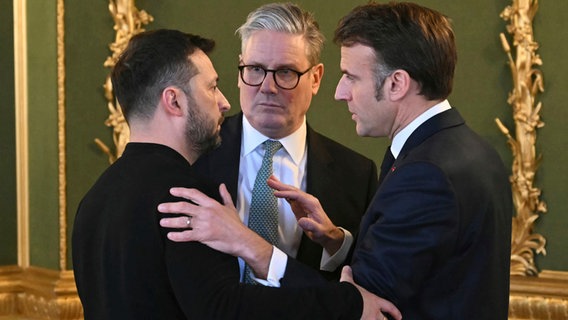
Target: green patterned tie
x=263 y=212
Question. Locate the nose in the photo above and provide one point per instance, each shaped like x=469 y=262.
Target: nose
x=222 y=102
x=341 y=92
x=268 y=85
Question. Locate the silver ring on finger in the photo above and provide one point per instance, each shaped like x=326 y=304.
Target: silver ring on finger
x=188 y=222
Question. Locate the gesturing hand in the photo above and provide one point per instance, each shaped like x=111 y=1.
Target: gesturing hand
x=310 y=215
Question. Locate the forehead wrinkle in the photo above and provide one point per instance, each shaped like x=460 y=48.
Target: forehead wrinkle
x=280 y=51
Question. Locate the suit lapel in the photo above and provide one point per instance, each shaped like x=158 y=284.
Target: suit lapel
x=441 y=121
x=318 y=181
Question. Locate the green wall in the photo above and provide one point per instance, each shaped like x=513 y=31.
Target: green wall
x=8 y=253
x=88 y=34
x=482 y=84
x=552 y=178
x=43 y=141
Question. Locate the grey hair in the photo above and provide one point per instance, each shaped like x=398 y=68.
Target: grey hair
x=381 y=72
x=287 y=18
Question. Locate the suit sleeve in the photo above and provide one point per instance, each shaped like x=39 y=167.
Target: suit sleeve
x=299 y=275
x=409 y=228
x=206 y=284
x=372 y=184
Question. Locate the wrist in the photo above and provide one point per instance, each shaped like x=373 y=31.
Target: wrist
x=257 y=252
x=334 y=241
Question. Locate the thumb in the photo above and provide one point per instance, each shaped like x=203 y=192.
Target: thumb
x=226 y=196
x=346 y=274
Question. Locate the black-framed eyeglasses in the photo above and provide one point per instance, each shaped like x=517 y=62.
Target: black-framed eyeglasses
x=285 y=78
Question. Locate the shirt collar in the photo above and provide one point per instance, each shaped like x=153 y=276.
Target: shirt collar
x=401 y=137
x=294 y=144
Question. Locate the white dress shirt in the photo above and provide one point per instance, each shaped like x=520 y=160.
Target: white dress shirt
x=400 y=138
x=289 y=166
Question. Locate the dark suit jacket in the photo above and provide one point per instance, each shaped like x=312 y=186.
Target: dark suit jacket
x=126 y=268
x=436 y=239
x=343 y=180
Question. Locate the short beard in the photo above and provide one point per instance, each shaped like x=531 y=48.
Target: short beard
x=201 y=132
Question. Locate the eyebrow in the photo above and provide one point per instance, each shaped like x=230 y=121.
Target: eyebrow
x=214 y=81
x=344 y=71
x=278 y=67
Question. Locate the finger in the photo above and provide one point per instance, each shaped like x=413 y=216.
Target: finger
x=226 y=196
x=177 y=222
x=293 y=198
x=191 y=194
x=298 y=211
x=297 y=197
x=307 y=224
x=388 y=307
x=178 y=207
x=289 y=195
x=276 y=184
x=182 y=236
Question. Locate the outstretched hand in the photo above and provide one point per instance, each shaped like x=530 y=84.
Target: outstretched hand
x=310 y=215
x=374 y=307
x=206 y=220
x=217 y=226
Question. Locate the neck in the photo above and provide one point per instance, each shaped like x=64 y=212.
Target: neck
x=410 y=110
x=156 y=136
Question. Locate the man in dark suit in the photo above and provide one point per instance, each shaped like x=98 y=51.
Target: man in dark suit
x=124 y=266
x=436 y=238
x=284 y=38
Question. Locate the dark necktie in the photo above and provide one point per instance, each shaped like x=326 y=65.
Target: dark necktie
x=386 y=166
x=263 y=212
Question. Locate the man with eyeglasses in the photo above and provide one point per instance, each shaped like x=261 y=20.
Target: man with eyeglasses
x=279 y=73
x=286 y=79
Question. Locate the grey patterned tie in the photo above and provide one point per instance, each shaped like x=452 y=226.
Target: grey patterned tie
x=263 y=212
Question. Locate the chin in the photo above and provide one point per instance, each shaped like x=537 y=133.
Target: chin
x=271 y=117
x=272 y=122
x=360 y=131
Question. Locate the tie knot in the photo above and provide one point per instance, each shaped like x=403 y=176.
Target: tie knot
x=271 y=147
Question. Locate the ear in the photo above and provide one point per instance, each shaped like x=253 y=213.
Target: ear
x=317 y=75
x=399 y=84
x=172 y=100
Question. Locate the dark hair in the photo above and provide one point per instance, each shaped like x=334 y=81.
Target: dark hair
x=405 y=36
x=152 y=61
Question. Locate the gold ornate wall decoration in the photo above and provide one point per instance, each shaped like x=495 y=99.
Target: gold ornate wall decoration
x=62 y=166
x=38 y=293
x=542 y=297
x=22 y=129
x=128 y=21
x=527 y=83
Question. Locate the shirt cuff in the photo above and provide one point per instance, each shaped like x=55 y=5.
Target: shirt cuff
x=330 y=263
x=276 y=269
